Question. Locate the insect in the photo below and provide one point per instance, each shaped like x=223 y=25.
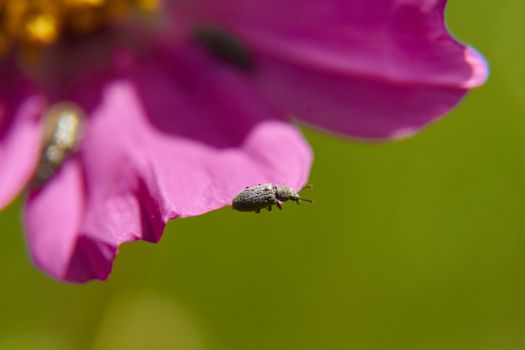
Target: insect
x=226 y=47
x=63 y=122
x=263 y=196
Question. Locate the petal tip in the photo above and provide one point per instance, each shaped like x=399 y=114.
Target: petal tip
x=91 y=260
x=480 y=68
x=402 y=134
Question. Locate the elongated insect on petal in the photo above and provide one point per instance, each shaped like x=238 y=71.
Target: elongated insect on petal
x=225 y=46
x=63 y=124
x=265 y=196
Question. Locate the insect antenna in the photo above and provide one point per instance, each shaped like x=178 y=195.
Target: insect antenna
x=306 y=200
x=306 y=187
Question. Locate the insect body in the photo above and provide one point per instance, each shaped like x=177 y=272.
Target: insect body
x=63 y=123
x=263 y=196
x=224 y=46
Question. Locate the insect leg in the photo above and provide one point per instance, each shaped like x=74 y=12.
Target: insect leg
x=269 y=208
x=258 y=211
x=278 y=204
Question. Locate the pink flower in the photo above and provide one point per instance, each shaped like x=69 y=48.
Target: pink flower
x=182 y=116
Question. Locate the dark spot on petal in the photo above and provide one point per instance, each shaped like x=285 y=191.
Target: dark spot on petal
x=224 y=46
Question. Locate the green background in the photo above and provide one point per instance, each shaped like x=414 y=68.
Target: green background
x=417 y=244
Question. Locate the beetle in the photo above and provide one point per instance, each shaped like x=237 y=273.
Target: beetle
x=224 y=46
x=263 y=196
x=62 y=129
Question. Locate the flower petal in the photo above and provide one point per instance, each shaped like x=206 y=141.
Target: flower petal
x=178 y=136
x=370 y=69
x=52 y=219
x=20 y=133
x=74 y=228
x=362 y=108
x=197 y=134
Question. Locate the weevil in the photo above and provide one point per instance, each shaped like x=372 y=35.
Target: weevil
x=62 y=128
x=263 y=196
x=224 y=46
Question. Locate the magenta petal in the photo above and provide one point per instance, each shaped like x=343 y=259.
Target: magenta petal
x=179 y=136
x=362 y=108
x=370 y=69
x=20 y=136
x=52 y=218
x=74 y=234
x=196 y=134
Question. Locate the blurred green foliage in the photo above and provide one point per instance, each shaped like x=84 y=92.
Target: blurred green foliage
x=418 y=244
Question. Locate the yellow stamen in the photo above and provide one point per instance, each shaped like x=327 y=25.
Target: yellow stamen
x=41 y=29
x=84 y=3
x=34 y=25
x=148 y=6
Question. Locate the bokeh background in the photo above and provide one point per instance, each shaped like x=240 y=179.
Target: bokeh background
x=418 y=244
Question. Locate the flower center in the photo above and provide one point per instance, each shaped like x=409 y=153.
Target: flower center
x=30 y=26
